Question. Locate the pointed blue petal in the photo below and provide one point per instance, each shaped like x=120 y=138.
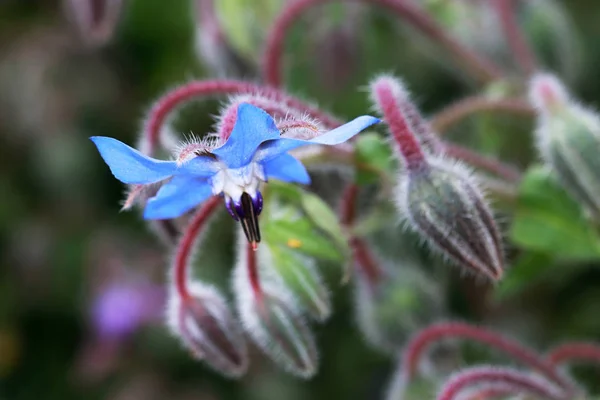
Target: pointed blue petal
x=129 y=165
x=346 y=131
x=252 y=127
x=273 y=148
x=286 y=168
x=176 y=197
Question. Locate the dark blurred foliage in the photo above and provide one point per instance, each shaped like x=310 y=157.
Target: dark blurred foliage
x=63 y=243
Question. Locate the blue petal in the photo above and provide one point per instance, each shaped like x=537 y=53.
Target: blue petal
x=200 y=167
x=286 y=168
x=129 y=165
x=252 y=127
x=176 y=197
x=273 y=148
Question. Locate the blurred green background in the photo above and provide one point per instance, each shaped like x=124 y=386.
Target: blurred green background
x=64 y=245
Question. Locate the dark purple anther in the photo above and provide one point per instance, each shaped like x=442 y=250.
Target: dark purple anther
x=246 y=210
x=239 y=209
x=257 y=202
x=230 y=209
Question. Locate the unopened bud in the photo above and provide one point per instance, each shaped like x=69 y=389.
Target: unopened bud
x=401 y=300
x=442 y=202
x=271 y=320
x=95 y=19
x=568 y=138
x=207 y=328
x=299 y=275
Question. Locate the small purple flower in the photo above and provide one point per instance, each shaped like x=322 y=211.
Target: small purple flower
x=253 y=153
x=121 y=308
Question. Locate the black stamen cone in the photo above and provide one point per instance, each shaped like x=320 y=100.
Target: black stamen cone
x=249 y=218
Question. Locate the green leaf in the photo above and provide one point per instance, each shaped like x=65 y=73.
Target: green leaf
x=325 y=219
x=548 y=220
x=374 y=157
x=300 y=234
x=300 y=276
x=285 y=191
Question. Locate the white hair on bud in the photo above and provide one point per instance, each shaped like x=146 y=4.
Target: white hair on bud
x=192 y=146
x=536 y=385
x=398 y=86
x=251 y=321
x=299 y=127
x=545 y=89
x=473 y=198
x=319 y=294
x=198 y=290
x=408 y=109
x=198 y=338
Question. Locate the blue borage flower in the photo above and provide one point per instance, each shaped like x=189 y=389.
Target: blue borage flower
x=254 y=152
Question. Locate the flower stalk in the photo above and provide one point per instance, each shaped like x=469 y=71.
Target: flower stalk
x=186 y=245
x=176 y=97
x=520 y=382
x=456 y=112
x=418 y=345
x=522 y=52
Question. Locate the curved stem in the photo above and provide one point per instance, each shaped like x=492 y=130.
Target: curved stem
x=520 y=382
x=491 y=392
x=497 y=167
x=253 y=272
x=174 y=98
x=425 y=338
x=360 y=250
x=522 y=52
x=406 y=10
x=186 y=244
x=574 y=351
x=402 y=133
x=456 y=112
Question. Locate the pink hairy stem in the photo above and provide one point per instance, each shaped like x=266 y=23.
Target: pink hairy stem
x=520 y=382
x=197 y=89
x=428 y=336
x=456 y=112
x=522 y=52
x=407 y=144
x=186 y=244
x=360 y=249
x=574 y=351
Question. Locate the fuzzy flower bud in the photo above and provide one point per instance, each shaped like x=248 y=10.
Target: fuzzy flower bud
x=568 y=139
x=300 y=276
x=438 y=199
x=272 y=321
x=207 y=328
x=443 y=203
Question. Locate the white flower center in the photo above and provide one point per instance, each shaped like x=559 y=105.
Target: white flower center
x=234 y=181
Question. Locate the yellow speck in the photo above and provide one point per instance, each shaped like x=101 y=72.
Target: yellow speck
x=294 y=243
